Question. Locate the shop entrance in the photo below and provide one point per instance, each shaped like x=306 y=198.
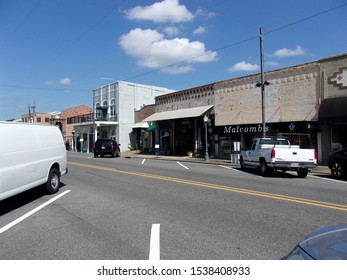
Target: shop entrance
x=184 y=136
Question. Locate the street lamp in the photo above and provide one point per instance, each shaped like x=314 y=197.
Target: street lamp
x=206 y=141
x=73 y=141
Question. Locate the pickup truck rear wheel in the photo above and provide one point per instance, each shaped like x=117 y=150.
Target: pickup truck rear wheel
x=302 y=172
x=264 y=169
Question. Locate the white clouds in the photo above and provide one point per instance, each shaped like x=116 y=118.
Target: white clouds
x=65 y=82
x=199 y=30
x=171 y=30
x=165 y=11
x=178 y=69
x=272 y=63
x=62 y=82
x=281 y=53
x=289 y=52
x=106 y=79
x=203 y=13
x=243 y=66
x=154 y=51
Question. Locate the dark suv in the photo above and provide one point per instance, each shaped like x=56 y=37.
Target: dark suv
x=106 y=147
x=337 y=163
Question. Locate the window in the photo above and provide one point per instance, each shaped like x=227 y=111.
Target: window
x=97 y=111
x=113 y=108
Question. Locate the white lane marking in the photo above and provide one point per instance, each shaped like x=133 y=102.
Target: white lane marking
x=12 y=224
x=240 y=171
x=143 y=161
x=154 y=248
x=182 y=165
x=328 y=179
x=230 y=168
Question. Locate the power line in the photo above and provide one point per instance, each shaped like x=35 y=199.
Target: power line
x=20 y=24
x=306 y=18
x=41 y=88
x=74 y=42
x=172 y=64
x=239 y=42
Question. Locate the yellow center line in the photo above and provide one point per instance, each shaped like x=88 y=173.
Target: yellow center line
x=299 y=200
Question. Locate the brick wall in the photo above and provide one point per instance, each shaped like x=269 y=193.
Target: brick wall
x=331 y=67
x=291 y=96
x=72 y=112
x=144 y=112
x=194 y=97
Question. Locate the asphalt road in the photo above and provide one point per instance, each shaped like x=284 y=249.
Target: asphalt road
x=134 y=208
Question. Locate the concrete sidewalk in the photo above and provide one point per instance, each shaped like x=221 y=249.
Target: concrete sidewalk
x=321 y=169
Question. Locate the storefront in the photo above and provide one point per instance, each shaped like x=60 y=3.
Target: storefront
x=333 y=123
x=180 y=132
x=229 y=139
x=333 y=105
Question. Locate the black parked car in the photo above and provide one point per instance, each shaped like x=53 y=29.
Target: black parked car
x=337 y=163
x=106 y=147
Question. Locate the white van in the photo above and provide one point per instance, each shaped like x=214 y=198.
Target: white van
x=30 y=155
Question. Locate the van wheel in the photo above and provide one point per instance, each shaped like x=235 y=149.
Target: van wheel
x=53 y=182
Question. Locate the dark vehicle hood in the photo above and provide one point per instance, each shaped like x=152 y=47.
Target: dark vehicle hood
x=327 y=243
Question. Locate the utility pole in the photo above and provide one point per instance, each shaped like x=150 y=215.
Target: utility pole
x=262 y=83
x=33 y=114
x=29 y=119
x=33 y=107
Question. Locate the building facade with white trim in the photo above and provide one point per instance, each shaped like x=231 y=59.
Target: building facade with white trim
x=113 y=113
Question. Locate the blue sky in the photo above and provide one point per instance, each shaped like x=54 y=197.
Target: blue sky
x=55 y=52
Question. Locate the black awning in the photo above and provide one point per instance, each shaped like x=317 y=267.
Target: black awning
x=333 y=110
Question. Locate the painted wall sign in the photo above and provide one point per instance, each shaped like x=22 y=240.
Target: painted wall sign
x=339 y=79
x=284 y=127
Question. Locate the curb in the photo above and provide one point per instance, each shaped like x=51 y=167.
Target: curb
x=321 y=169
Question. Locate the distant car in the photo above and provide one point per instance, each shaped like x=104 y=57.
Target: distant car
x=325 y=244
x=104 y=147
x=337 y=163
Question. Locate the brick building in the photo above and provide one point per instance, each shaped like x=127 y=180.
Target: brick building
x=291 y=107
x=179 y=119
x=143 y=138
x=333 y=104
x=305 y=103
x=62 y=119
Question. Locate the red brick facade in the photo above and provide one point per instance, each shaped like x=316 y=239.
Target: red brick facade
x=59 y=119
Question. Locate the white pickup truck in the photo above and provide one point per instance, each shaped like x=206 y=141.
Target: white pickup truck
x=269 y=154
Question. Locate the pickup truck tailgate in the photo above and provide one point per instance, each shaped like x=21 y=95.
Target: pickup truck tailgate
x=294 y=155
